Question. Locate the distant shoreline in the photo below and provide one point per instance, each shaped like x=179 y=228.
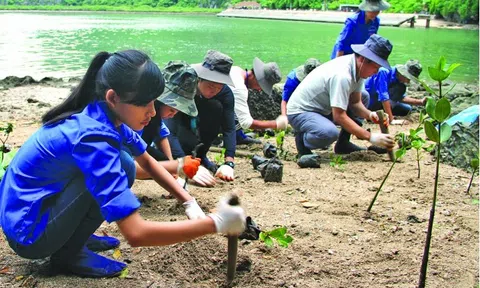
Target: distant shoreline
x=331 y=16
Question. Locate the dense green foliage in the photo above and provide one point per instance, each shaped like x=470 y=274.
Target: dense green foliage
x=456 y=10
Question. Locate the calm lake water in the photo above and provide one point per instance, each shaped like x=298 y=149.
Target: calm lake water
x=62 y=44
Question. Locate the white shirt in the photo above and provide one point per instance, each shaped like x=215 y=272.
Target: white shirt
x=329 y=85
x=240 y=93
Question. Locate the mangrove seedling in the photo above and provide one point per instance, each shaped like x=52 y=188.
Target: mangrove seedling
x=337 y=161
x=474 y=166
x=438 y=109
x=278 y=234
x=417 y=143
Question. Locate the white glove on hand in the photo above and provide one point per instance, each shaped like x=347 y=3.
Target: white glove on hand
x=282 y=122
x=192 y=210
x=181 y=182
x=374 y=117
x=229 y=219
x=203 y=177
x=382 y=140
x=225 y=172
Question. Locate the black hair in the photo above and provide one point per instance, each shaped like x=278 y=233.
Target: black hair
x=134 y=77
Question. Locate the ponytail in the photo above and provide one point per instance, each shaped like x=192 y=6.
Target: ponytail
x=134 y=77
x=81 y=96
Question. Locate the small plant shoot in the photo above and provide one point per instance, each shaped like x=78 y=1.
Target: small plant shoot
x=337 y=161
x=474 y=165
x=6 y=153
x=279 y=235
x=219 y=157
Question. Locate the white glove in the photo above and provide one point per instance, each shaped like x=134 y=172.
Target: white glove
x=225 y=172
x=229 y=219
x=203 y=177
x=192 y=210
x=382 y=140
x=374 y=117
x=282 y=122
x=181 y=182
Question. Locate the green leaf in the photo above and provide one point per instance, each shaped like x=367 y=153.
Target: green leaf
x=445 y=132
x=442 y=110
x=8 y=157
x=430 y=147
x=262 y=236
x=430 y=107
x=123 y=274
x=268 y=241
x=437 y=74
x=441 y=63
x=431 y=132
x=417 y=144
x=400 y=153
x=474 y=163
x=284 y=241
x=277 y=233
x=475 y=201
x=422 y=116
x=2 y=172
x=429 y=90
x=453 y=67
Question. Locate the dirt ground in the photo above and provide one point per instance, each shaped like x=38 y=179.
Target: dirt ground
x=335 y=243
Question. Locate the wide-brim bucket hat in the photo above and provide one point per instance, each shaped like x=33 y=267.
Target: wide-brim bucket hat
x=373 y=5
x=267 y=74
x=410 y=70
x=180 y=87
x=302 y=71
x=215 y=67
x=376 y=48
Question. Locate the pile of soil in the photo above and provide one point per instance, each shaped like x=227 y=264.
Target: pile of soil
x=335 y=243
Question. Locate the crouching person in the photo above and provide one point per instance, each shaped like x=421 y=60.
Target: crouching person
x=333 y=93
x=72 y=174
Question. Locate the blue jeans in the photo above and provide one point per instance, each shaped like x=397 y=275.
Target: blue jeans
x=74 y=217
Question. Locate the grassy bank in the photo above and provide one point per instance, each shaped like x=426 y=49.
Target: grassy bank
x=171 y=9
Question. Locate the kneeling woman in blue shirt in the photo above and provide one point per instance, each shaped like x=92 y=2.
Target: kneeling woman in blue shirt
x=72 y=174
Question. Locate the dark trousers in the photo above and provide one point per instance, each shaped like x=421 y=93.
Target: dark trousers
x=74 y=217
x=209 y=125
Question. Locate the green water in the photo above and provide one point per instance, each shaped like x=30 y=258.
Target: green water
x=61 y=44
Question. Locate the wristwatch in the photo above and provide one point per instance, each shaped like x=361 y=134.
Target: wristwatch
x=229 y=163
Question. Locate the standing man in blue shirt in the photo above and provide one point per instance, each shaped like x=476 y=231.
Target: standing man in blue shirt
x=72 y=174
x=359 y=27
x=215 y=104
x=387 y=89
x=293 y=80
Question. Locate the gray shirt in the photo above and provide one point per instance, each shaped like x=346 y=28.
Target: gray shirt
x=329 y=85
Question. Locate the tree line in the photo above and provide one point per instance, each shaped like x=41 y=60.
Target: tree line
x=464 y=11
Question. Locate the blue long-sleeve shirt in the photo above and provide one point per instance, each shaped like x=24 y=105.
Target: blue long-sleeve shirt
x=355 y=31
x=291 y=84
x=86 y=145
x=378 y=86
x=183 y=124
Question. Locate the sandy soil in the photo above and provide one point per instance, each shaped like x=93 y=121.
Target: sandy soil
x=335 y=243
